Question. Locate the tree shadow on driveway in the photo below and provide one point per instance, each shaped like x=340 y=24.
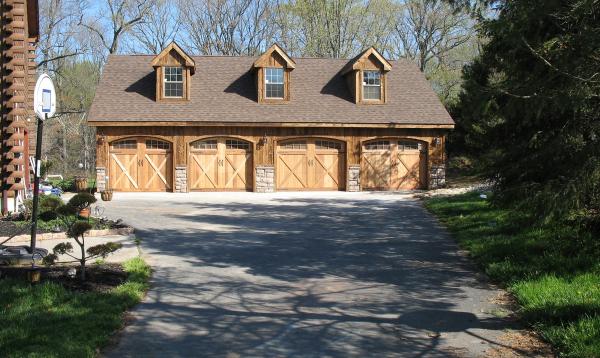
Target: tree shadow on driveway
x=304 y=277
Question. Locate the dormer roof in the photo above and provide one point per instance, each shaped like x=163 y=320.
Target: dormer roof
x=263 y=60
x=356 y=62
x=173 y=46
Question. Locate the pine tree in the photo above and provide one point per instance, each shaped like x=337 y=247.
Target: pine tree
x=530 y=107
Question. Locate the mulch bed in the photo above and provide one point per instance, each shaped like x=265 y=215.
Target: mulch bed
x=99 y=278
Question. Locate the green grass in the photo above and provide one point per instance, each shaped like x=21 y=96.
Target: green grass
x=553 y=271
x=47 y=320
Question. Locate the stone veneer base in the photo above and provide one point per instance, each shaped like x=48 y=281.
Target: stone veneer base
x=437 y=176
x=181 y=179
x=101 y=178
x=353 y=182
x=265 y=179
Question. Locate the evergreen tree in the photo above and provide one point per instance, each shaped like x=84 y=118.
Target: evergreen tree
x=530 y=106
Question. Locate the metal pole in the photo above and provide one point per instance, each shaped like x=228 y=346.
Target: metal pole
x=36 y=183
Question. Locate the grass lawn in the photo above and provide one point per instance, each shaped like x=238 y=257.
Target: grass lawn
x=47 y=320
x=553 y=271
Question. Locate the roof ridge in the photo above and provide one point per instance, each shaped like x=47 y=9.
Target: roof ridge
x=249 y=57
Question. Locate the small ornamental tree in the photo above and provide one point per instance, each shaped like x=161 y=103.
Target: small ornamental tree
x=76 y=230
x=81 y=201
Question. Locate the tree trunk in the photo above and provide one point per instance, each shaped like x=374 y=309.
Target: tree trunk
x=85 y=148
x=64 y=149
x=82 y=261
x=82 y=270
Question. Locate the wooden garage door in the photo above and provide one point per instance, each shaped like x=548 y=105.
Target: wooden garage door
x=310 y=164
x=388 y=164
x=140 y=164
x=220 y=164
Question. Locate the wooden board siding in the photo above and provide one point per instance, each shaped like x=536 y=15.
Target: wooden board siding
x=264 y=152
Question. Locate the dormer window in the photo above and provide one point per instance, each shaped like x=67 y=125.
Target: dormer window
x=273 y=74
x=371 y=85
x=274 y=83
x=174 y=69
x=366 y=77
x=173 y=84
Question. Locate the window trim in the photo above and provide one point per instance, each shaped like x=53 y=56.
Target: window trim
x=165 y=81
x=265 y=83
x=380 y=86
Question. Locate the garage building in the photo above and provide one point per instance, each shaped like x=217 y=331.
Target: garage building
x=173 y=122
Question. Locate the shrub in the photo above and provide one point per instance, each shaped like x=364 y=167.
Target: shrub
x=64 y=184
x=49 y=203
x=47 y=208
x=48 y=216
x=460 y=163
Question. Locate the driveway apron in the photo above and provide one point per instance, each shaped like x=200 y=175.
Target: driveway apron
x=302 y=275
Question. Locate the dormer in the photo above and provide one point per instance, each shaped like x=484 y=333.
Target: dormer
x=173 y=68
x=273 y=70
x=365 y=75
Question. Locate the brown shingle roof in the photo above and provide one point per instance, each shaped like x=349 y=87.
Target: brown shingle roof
x=224 y=90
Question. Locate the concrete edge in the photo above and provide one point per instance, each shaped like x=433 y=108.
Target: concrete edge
x=124 y=231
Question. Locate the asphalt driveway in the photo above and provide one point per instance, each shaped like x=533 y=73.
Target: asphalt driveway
x=302 y=275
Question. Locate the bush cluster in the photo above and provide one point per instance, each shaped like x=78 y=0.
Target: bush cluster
x=64 y=184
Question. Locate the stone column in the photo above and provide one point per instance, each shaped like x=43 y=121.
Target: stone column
x=353 y=182
x=101 y=182
x=437 y=176
x=265 y=179
x=181 y=179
